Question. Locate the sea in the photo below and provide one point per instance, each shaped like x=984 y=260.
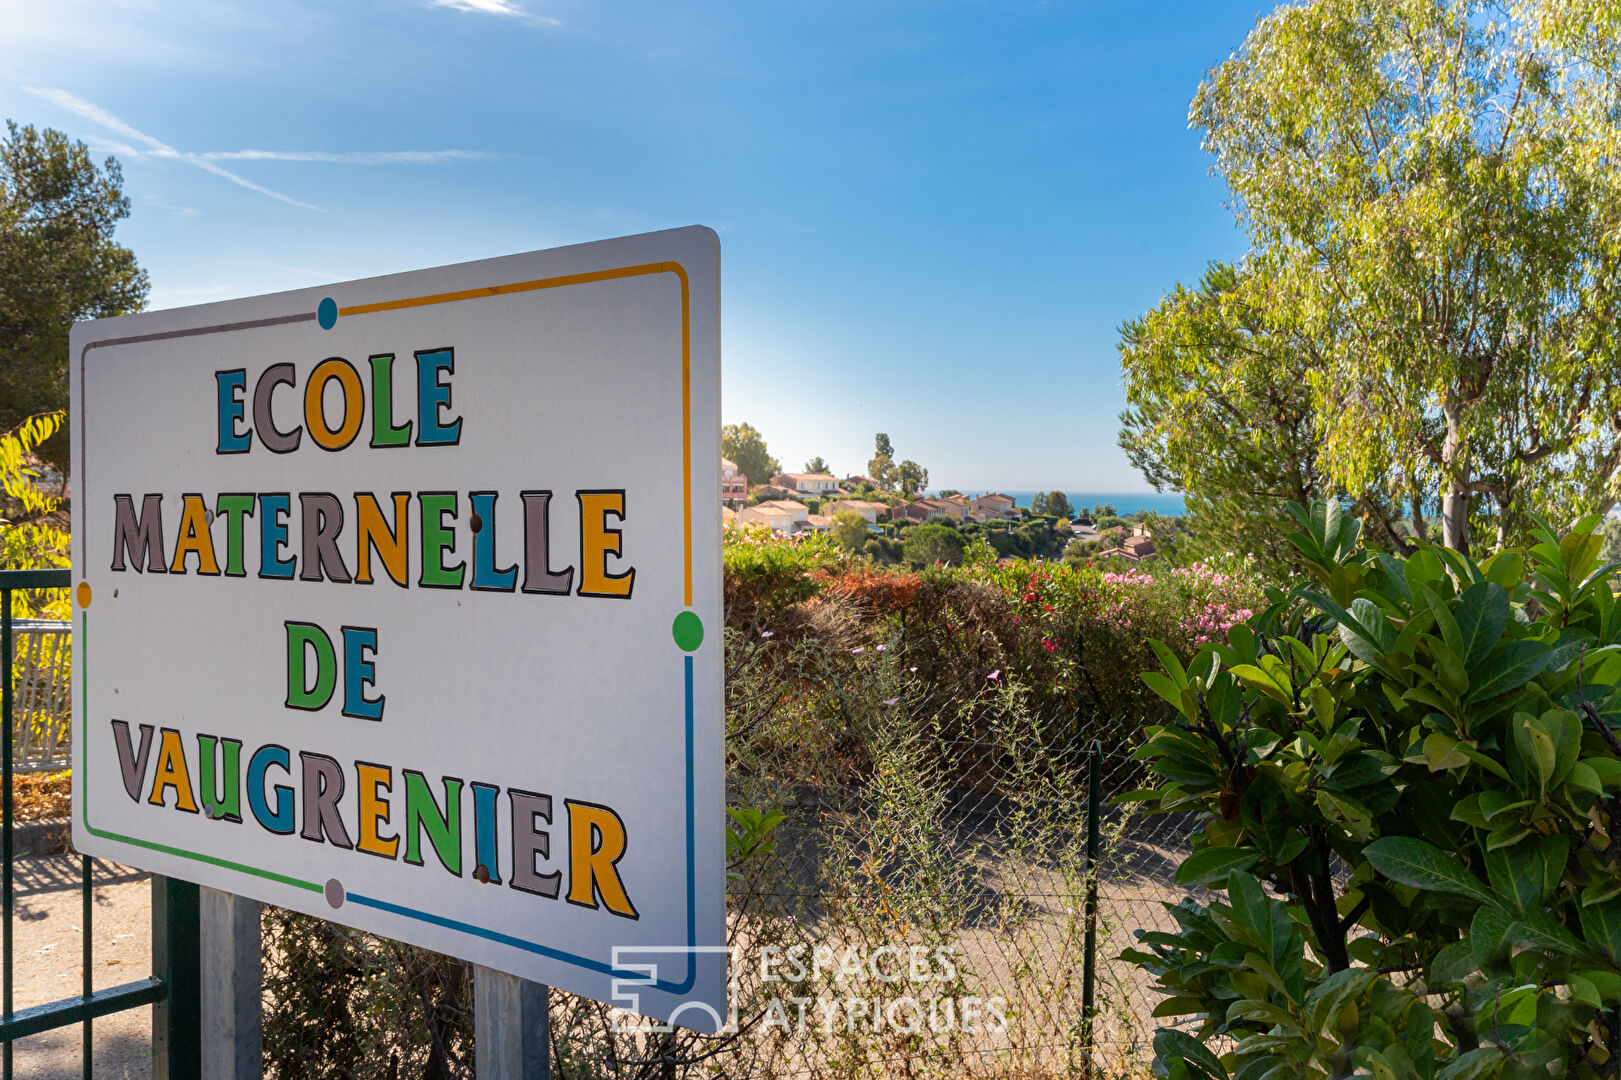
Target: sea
x=1126 y=503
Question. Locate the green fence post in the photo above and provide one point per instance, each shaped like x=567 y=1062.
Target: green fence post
x=1094 y=804
x=6 y=808
x=177 y=1049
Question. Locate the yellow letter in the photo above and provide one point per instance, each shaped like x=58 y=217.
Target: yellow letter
x=373 y=810
x=597 y=542
x=194 y=538
x=372 y=532
x=171 y=773
x=354 y=404
x=596 y=842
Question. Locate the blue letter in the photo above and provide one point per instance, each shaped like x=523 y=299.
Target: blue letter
x=273 y=511
x=358 y=673
x=264 y=757
x=433 y=398
x=231 y=386
x=485 y=575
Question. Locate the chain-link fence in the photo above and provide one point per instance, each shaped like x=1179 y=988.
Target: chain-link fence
x=919 y=910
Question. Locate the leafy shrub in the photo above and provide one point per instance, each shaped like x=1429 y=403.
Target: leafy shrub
x=932 y=544
x=766 y=574
x=1409 y=774
x=33 y=522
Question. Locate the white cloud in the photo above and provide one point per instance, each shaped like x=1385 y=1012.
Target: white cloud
x=495 y=7
x=158 y=202
x=146 y=145
x=136 y=143
x=353 y=157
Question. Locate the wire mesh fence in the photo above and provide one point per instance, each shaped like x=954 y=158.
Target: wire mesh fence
x=919 y=910
x=42 y=704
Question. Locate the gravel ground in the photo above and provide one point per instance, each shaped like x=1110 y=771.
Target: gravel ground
x=46 y=946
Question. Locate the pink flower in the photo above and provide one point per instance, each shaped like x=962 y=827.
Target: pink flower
x=892 y=701
x=995 y=674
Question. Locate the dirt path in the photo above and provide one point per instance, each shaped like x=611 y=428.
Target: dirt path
x=46 y=946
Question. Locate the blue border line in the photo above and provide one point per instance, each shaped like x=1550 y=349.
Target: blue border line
x=570 y=958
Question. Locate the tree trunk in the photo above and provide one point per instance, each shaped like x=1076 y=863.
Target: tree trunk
x=1455 y=520
x=1454 y=496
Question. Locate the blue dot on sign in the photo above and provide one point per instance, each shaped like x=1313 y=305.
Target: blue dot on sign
x=327 y=313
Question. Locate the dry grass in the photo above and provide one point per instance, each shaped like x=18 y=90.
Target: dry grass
x=42 y=795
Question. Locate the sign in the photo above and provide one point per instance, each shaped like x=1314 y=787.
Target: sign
x=398 y=603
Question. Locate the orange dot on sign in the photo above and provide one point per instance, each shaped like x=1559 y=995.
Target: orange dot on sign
x=84 y=594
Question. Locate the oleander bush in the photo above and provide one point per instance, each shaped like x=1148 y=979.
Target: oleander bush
x=1411 y=779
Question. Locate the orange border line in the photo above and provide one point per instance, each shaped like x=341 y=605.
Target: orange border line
x=583 y=279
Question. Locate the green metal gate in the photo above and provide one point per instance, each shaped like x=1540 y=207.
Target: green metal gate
x=173 y=989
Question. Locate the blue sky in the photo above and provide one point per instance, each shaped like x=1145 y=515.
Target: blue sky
x=933 y=215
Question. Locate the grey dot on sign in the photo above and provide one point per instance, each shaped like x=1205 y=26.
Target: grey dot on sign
x=334 y=892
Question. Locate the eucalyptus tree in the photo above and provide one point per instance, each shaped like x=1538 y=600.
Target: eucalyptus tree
x=1432 y=193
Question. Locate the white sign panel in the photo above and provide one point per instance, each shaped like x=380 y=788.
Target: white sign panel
x=398 y=602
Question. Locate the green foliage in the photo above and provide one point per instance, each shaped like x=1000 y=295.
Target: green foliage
x=764 y=575
x=882 y=466
x=32 y=521
x=1221 y=410
x=58 y=264
x=817 y=464
x=932 y=544
x=910 y=477
x=340 y=1003
x=748 y=836
x=1432 y=202
x=850 y=530
x=1052 y=504
x=745 y=447
x=1419 y=756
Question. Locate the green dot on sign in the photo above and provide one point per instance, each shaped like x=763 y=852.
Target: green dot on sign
x=688 y=631
x=327 y=313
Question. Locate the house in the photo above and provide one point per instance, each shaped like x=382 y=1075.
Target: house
x=783 y=515
x=993 y=504
x=817 y=484
x=1134 y=548
x=817 y=522
x=856 y=483
x=727 y=516
x=1139 y=547
x=772 y=491
x=923 y=509
x=865 y=507
x=734 y=484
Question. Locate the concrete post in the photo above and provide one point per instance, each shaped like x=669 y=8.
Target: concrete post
x=511 y=1032
x=232 y=986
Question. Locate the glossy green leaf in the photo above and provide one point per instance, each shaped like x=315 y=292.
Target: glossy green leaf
x=1212 y=865
x=1509 y=667
x=1423 y=866
x=1173 y=1045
